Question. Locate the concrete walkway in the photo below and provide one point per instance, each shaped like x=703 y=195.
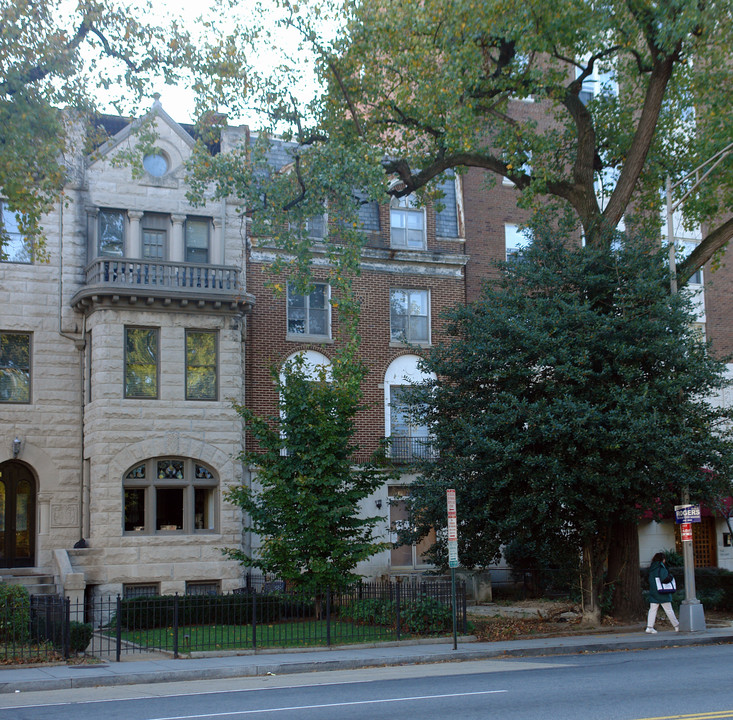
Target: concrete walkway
x=56 y=677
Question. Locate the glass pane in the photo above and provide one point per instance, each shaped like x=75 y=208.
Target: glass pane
x=201 y=365
x=135 y=510
x=296 y=320
x=419 y=303
x=15 y=371
x=111 y=233
x=170 y=469
x=399 y=425
x=418 y=329
x=169 y=509
x=137 y=473
x=203 y=514
x=153 y=243
x=317 y=299
x=156 y=165
x=23 y=520
x=203 y=473
x=318 y=324
x=141 y=363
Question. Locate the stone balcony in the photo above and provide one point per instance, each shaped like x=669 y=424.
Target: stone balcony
x=160 y=284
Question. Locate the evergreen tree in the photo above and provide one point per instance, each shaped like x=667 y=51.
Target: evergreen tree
x=572 y=396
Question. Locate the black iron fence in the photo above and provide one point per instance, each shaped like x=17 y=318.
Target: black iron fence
x=258 y=615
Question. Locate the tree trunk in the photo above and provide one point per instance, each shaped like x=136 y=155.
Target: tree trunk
x=591 y=579
x=623 y=571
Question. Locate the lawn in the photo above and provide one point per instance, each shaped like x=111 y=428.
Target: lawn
x=285 y=634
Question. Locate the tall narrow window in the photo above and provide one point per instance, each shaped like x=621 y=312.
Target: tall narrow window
x=309 y=314
x=111 y=236
x=15 y=367
x=409 y=316
x=14 y=247
x=409 y=437
x=154 y=235
x=197 y=241
x=201 y=365
x=141 y=362
x=407 y=224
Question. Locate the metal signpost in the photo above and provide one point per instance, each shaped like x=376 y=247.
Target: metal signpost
x=692 y=615
x=453 y=554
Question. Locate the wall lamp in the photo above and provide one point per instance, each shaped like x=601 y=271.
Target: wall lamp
x=378 y=503
x=16 y=447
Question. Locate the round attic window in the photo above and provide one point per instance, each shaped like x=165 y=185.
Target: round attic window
x=156 y=164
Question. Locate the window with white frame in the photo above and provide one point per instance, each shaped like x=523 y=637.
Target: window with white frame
x=170 y=495
x=197 y=240
x=14 y=247
x=406 y=224
x=409 y=316
x=515 y=241
x=685 y=249
x=15 y=367
x=309 y=315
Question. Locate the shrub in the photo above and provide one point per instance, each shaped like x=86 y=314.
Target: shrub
x=418 y=617
x=139 y=613
x=79 y=636
x=15 y=614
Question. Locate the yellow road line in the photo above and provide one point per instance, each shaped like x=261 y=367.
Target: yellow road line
x=696 y=716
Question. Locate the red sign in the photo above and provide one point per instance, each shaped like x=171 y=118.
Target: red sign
x=452 y=517
x=686 y=531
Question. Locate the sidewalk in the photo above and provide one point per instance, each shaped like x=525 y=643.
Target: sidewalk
x=57 y=677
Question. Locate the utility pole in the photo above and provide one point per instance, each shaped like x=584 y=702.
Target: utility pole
x=692 y=614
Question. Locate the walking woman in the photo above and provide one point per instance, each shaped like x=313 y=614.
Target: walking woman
x=658 y=569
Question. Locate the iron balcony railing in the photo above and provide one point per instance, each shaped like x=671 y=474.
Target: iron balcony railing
x=405 y=450
x=162 y=275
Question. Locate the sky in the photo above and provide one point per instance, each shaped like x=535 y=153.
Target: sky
x=179 y=101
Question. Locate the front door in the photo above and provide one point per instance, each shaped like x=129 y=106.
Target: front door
x=17 y=515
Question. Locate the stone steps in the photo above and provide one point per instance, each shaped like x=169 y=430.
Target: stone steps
x=37 y=583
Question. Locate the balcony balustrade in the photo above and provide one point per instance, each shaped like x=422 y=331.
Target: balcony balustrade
x=158 y=281
x=406 y=450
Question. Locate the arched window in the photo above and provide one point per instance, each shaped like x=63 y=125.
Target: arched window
x=409 y=438
x=406 y=224
x=164 y=495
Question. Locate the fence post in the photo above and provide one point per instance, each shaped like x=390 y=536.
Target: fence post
x=175 y=625
x=463 y=602
x=328 y=617
x=118 y=653
x=254 y=620
x=398 y=584
x=66 y=626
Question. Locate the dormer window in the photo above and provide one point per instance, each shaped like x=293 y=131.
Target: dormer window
x=156 y=164
x=407 y=224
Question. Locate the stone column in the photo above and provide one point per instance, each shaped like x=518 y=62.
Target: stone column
x=92 y=233
x=177 y=248
x=134 y=244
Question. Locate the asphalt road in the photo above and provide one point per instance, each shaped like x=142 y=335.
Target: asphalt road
x=694 y=683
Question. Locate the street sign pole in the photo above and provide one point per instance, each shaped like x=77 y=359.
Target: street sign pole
x=692 y=614
x=453 y=556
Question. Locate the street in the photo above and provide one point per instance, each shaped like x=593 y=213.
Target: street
x=692 y=683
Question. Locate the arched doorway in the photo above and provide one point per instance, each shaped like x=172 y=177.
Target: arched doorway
x=17 y=515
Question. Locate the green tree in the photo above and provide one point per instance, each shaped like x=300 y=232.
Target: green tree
x=305 y=504
x=55 y=55
x=573 y=395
